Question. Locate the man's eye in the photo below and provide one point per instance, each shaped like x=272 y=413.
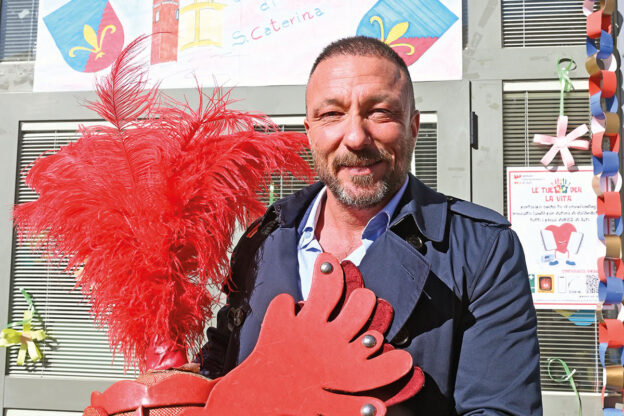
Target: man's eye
x=381 y=111
x=330 y=114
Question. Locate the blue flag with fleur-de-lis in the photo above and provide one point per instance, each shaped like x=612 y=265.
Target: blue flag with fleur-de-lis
x=88 y=34
x=410 y=27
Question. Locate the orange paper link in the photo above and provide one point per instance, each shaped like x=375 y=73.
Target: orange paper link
x=592 y=66
x=613 y=246
x=607 y=7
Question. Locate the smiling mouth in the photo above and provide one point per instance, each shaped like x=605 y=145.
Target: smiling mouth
x=364 y=169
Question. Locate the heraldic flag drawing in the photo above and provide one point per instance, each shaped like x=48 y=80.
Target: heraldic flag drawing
x=88 y=34
x=411 y=28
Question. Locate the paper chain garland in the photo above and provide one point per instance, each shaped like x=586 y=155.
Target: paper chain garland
x=601 y=66
x=26 y=338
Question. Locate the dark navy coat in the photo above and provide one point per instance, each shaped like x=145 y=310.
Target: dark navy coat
x=454 y=273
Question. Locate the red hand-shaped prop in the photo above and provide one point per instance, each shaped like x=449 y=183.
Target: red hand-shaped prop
x=411 y=383
x=304 y=364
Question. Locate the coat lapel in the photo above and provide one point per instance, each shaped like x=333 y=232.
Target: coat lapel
x=281 y=275
x=396 y=272
x=277 y=273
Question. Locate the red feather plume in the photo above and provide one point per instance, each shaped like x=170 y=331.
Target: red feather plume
x=150 y=204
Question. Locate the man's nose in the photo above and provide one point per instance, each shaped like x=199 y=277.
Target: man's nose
x=356 y=135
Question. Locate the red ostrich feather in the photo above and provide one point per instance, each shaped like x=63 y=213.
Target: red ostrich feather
x=150 y=204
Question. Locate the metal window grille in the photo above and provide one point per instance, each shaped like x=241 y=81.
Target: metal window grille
x=424 y=163
x=576 y=345
x=426 y=155
x=529 y=23
x=75 y=348
x=525 y=113
x=18 y=29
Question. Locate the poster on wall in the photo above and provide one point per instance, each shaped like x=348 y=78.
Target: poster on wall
x=237 y=42
x=554 y=215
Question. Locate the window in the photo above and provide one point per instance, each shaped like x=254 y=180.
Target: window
x=542 y=23
x=75 y=348
x=559 y=337
x=18 y=29
x=424 y=162
x=425 y=165
x=530 y=108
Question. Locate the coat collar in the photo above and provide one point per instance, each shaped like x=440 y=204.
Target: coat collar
x=428 y=207
x=410 y=268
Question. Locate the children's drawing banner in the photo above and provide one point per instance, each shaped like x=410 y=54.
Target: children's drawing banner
x=554 y=215
x=237 y=42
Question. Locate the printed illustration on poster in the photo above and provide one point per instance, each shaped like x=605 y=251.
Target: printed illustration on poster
x=236 y=42
x=554 y=215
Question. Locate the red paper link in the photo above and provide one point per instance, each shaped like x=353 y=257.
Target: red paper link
x=597 y=140
x=604 y=268
x=603 y=81
x=611 y=331
x=609 y=205
x=596 y=23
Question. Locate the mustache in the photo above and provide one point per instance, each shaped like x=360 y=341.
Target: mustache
x=364 y=157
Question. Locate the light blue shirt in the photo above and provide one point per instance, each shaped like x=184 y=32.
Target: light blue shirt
x=309 y=247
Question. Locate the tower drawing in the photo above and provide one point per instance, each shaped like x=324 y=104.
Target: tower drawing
x=165 y=18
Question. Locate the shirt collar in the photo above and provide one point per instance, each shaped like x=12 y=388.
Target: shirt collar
x=374 y=228
x=307 y=234
x=379 y=223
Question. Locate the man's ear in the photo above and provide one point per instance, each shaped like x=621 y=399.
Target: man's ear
x=414 y=124
x=306 y=125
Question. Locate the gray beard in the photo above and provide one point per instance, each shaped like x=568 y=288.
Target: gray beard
x=378 y=191
x=357 y=201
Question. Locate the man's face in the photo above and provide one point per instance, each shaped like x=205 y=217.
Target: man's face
x=361 y=128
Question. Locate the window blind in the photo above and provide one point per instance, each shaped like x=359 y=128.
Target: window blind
x=527 y=23
x=18 y=29
x=576 y=345
x=424 y=162
x=75 y=348
x=525 y=113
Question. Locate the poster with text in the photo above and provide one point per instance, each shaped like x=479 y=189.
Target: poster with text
x=237 y=42
x=554 y=215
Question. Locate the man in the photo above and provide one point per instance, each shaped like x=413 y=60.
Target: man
x=453 y=271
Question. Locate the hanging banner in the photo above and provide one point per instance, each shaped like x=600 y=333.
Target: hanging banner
x=237 y=42
x=554 y=215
